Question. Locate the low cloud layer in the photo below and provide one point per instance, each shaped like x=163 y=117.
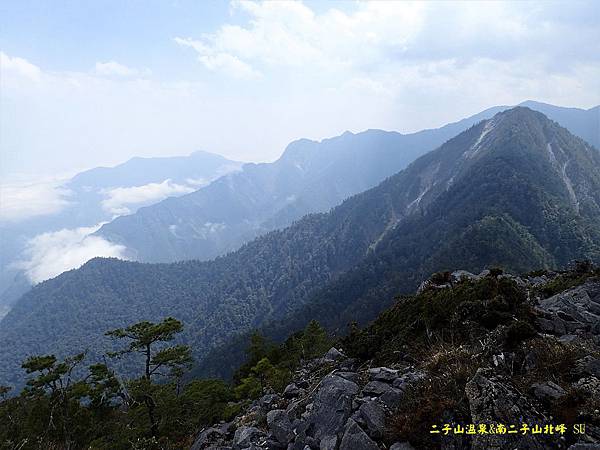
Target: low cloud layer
x=24 y=201
x=49 y=254
x=119 y=200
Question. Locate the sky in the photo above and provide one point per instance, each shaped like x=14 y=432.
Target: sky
x=89 y=83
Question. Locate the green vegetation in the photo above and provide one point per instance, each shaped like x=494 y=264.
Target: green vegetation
x=449 y=333
x=439 y=317
x=66 y=406
x=270 y=365
x=506 y=205
x=144 y=337
x=568 y=279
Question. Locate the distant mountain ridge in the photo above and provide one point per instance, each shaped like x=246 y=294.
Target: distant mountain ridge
x=96 y=195
x=199 y=167
x=493 y=195
x=309 y=177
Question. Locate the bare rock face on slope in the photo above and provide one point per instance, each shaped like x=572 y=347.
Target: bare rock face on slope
x=338 y=403
x=572 y=312
x=334 y=410
x=332 y=406
x=494 y=401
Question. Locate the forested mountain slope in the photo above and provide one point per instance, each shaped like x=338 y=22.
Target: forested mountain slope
x=525 y=193
x=584 y=123
x=309 y=177
x=516 y=190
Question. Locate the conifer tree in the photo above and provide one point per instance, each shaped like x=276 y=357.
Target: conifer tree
x=145 y=338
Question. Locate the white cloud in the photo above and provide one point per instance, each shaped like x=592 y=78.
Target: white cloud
x=410 y=65
x=50 y=254
x=113 y=68
x=19 y=66
x=378 y=40
x=23 y=201
x=295 y=71
x=120 y=199
x=216 y=60
x=291 y=34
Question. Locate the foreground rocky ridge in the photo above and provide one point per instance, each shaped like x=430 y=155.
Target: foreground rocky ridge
x=538 y=365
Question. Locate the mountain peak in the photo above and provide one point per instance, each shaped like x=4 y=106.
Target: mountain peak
x=526 y=128
x=519 y=116
x=487 y=131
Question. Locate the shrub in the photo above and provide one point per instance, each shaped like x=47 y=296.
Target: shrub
x=517 y=332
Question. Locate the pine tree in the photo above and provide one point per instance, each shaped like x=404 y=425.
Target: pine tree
x=143 y=338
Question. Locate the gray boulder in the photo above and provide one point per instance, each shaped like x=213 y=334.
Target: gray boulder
x=356 y=439
x=333 y=355
x=328 y=443
x=332 y=406
x=280 y=426
x=291 y=390
x=392 y=398
x=207 y=436
x=548 y=391
x=269 y=400
x=352 y=376
x=246 y=436
x=372 y=415
x=376 y=388
x=572 y=311
x=383 y=374
x=493 y=400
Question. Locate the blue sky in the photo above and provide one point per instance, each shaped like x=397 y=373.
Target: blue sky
x=87 y=83
x=73 y=35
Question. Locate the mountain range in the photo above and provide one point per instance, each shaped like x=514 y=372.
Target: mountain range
x=517 y=190
x=309 y=177
x=218 y=217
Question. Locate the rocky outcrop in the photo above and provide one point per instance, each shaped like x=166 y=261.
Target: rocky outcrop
x=280 y=426
x=574 y=311
x=329 y=405
x=332 y=406
x=356 y=439
x=246 y=436
x=213 y=436
x=548 y=391
x=493 y=400
x=332 y=403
